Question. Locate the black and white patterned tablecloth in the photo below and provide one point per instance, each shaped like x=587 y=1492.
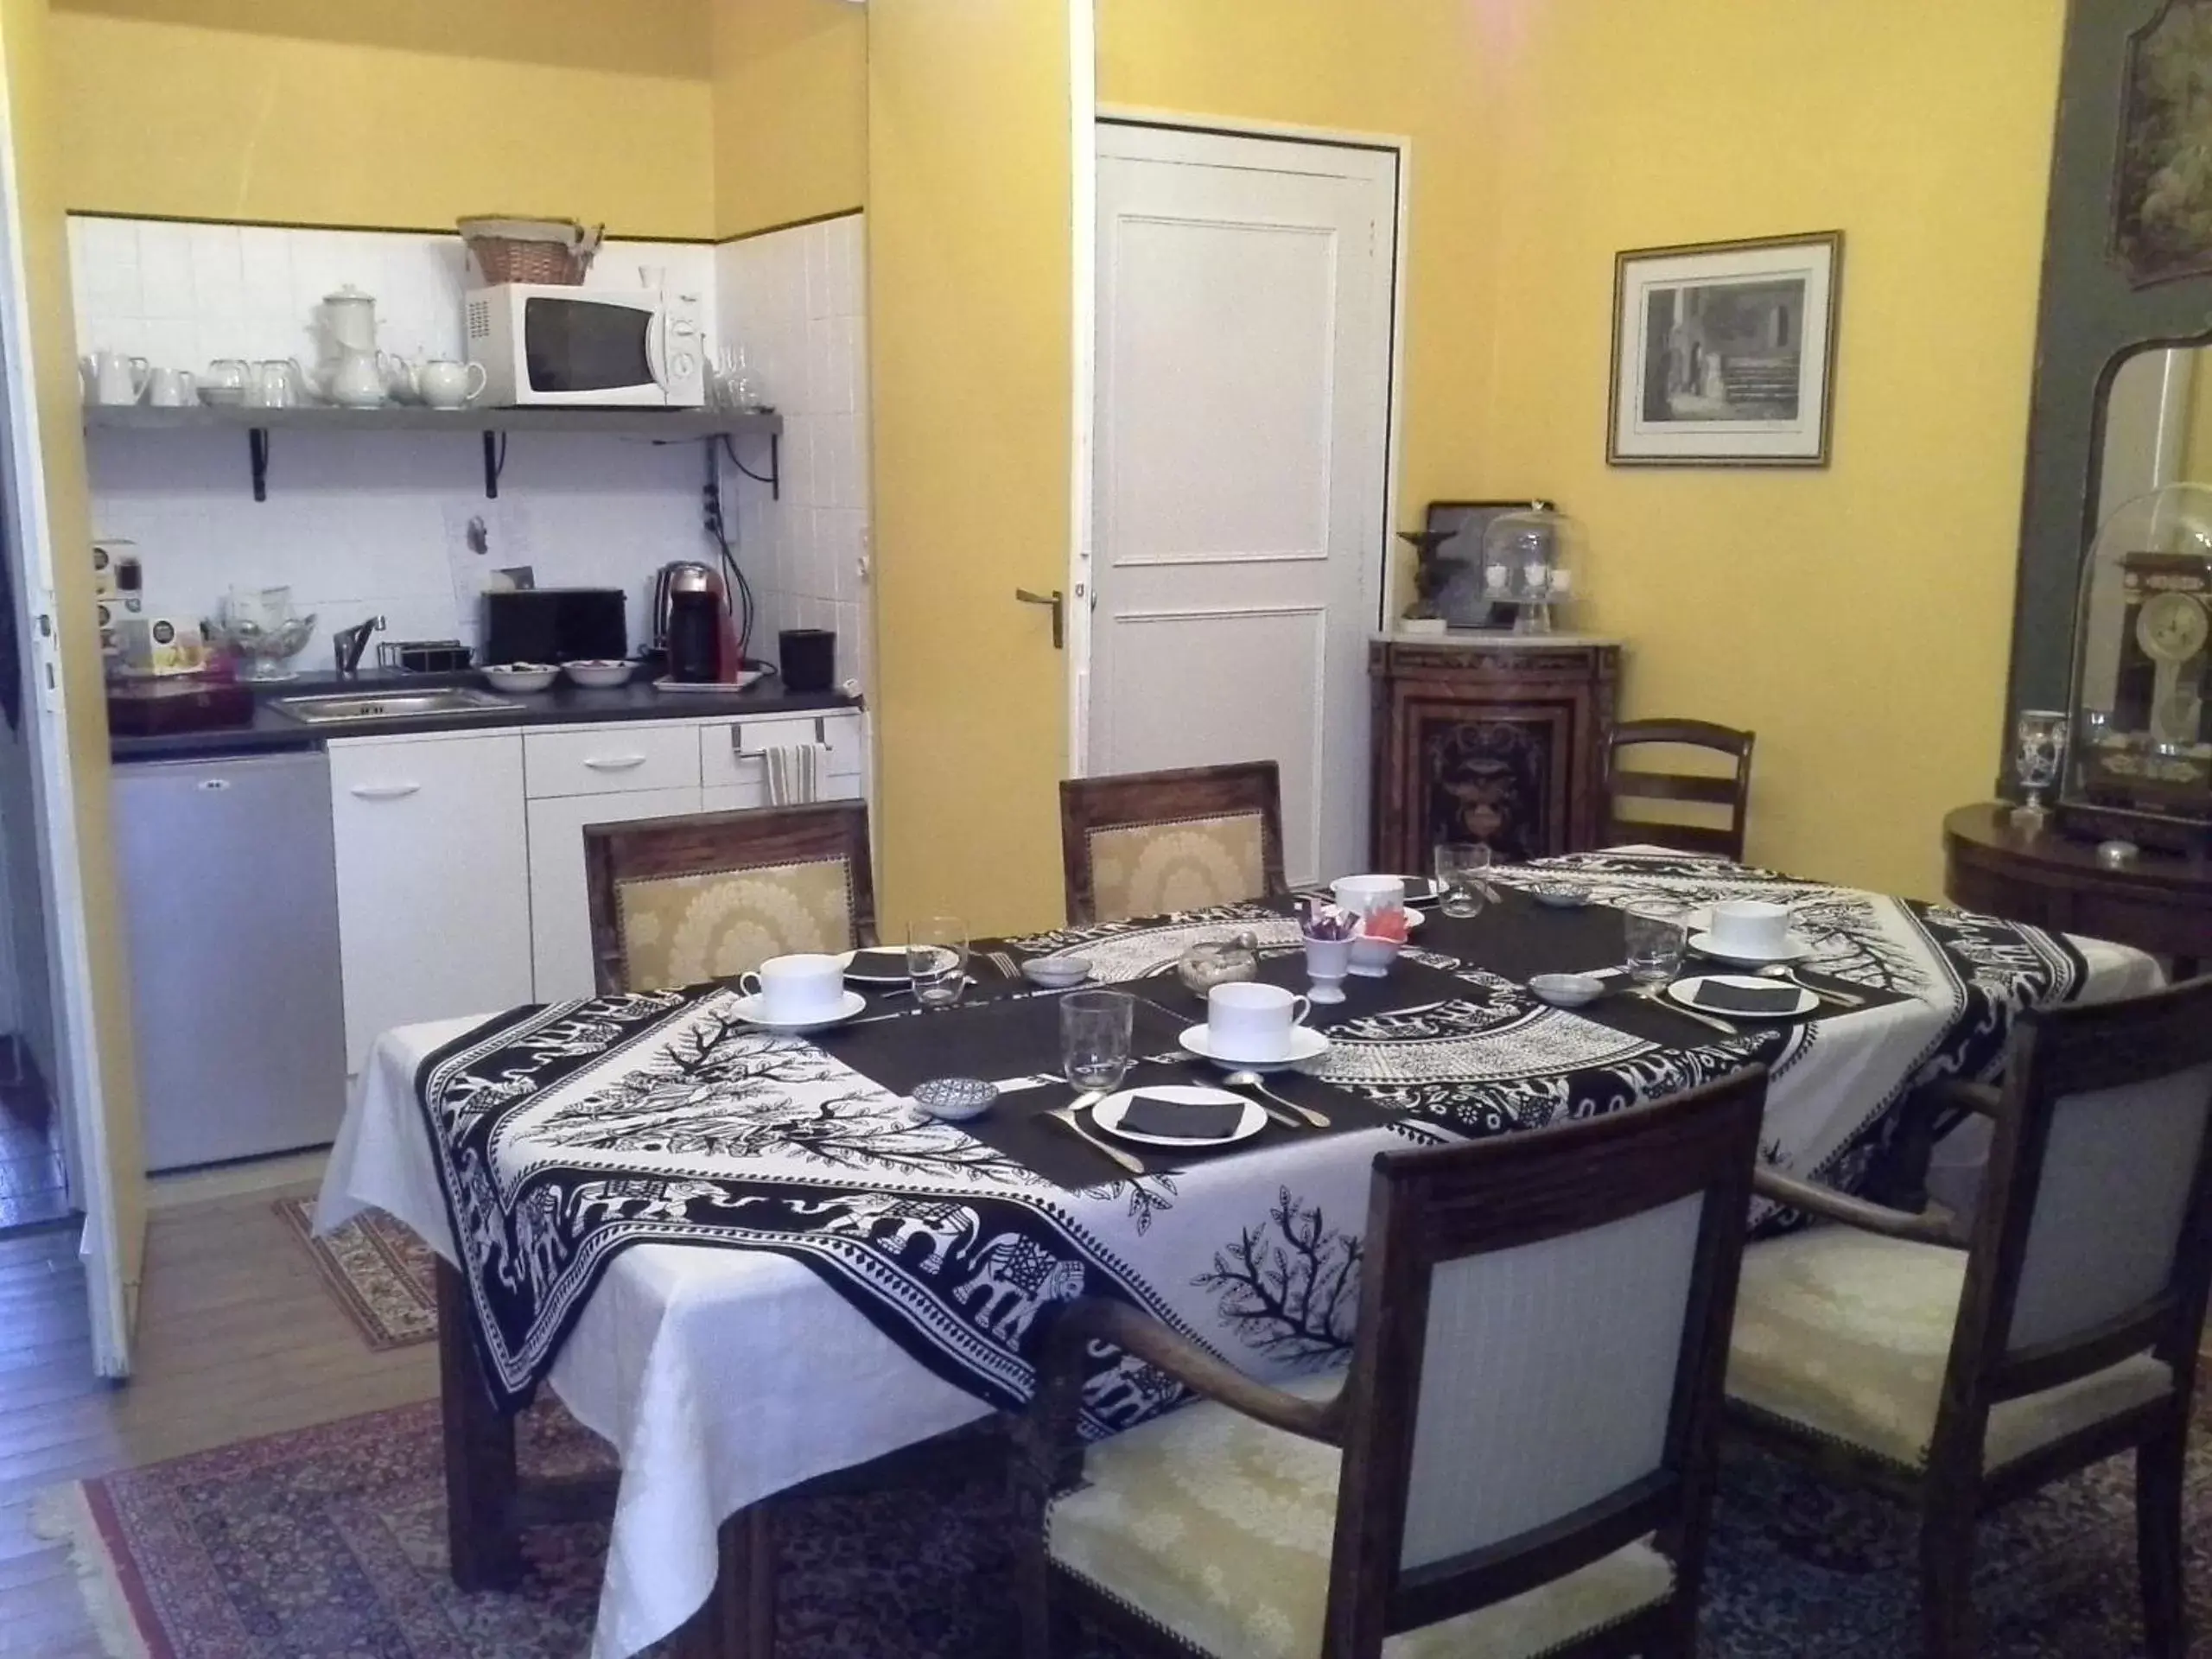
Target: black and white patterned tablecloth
x=563 y=1135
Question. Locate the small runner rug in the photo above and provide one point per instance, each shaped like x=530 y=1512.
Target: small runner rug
x=380 y=1273
x=330 y=1541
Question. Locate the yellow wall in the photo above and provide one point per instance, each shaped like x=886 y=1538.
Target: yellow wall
x=1417 y=69
x=1857 y=617
x=790 y=111
x=389 y=113
x=24 y=42
x=969 y=332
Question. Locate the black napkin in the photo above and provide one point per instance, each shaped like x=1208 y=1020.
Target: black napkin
x=1724 y=998
x=878 y=964
x=1182 y=1119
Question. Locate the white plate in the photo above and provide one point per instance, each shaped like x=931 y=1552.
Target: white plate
x=1684 y=991
x=1305 y=1044
x=1705 y=945
x=845 y=962
x=1107 y=1115
x=747 y=1009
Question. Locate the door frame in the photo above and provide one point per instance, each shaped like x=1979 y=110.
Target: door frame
x=1092 y=116
x=79 y=1091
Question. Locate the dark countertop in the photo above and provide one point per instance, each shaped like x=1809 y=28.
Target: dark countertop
x=565 y=704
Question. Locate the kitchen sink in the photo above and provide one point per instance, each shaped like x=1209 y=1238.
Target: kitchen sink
x=331 y=709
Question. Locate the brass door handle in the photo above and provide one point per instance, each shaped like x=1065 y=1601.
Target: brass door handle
x=1059 y=611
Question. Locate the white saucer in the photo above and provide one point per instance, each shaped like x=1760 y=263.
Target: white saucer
x=747 y=1009
x=1305 y=1044
x=1684 y=991
x=1107 y=1115
x=1705 y=945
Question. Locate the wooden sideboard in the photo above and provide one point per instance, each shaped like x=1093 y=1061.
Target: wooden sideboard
x=2156 y=902
x=1492 y=737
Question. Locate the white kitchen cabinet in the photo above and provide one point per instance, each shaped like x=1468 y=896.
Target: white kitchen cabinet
x=735 y=771
x=433 y=882
x=611 y=759
x=559 y=903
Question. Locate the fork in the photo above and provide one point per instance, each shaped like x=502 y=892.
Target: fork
x=1067 y=1114
x=1650 y=993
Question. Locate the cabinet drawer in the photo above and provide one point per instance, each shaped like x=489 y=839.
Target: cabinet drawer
x=608 y=760
x=730 y=751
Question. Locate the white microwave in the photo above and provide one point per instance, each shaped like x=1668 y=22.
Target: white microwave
x=546 y=345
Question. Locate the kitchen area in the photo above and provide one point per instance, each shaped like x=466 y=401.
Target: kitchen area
x=416 y=554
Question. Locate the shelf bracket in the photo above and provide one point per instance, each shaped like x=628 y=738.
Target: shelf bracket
x=774 y=476
x=256 y=449
x=495 y=462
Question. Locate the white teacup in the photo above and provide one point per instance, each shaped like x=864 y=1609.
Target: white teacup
x=1248 y=1022
x=1370 y=895
x=1750 y=927
x=796 y=989
x=172 y=389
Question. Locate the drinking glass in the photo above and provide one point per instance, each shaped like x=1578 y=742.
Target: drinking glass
x=1460 y=866
x=1095 y=1034
x=2039 y=747
x=1657 y=937
x=936 y=961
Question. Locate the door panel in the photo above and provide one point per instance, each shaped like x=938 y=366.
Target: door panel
x=1242 y=438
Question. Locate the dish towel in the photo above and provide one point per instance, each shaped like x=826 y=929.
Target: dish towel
x=794 y=772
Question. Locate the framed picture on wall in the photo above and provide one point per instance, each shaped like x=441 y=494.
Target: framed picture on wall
x=1724 y=353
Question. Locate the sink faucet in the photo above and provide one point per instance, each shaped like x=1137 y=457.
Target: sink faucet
x=350 y=643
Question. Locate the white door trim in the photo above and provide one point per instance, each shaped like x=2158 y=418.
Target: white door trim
x=1085 y=323
x=80 y=1090
x=1082 y=155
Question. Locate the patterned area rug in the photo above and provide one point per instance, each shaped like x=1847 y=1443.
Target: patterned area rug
x=380 y=1273
x=331 y=1542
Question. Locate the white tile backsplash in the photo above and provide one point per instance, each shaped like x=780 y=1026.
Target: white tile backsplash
x=361 y=524
x=794 y=299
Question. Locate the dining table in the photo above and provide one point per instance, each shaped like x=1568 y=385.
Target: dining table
x=747 y=1261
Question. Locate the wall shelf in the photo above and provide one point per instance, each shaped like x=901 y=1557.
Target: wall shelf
x=494 y=426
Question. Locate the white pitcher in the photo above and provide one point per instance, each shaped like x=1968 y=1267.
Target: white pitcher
x=117 y=377
x=349 y=317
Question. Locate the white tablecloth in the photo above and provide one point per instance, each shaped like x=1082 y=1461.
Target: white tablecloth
x=722 y=1377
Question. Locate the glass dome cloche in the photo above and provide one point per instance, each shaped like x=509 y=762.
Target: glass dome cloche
x=2139 y=767
x=1530 y=561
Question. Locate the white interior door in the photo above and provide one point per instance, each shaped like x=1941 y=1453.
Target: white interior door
x=1241 y=443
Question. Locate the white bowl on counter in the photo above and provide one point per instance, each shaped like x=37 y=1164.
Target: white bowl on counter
x=599 y=674
x=521 y=677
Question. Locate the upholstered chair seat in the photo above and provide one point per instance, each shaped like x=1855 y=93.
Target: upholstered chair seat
x=1219 y=1527
x=1516 y=1462
x=680 y=930
x=1848 y=1335
x=679 y=901
x=1145 y=843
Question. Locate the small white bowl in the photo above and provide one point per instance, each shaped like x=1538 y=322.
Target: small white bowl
x=1558 y=896
x=222 y=397
x=599 y=674
x=1057 y=973
x=521 y=677
x=1567 y=990
x=1371 y=958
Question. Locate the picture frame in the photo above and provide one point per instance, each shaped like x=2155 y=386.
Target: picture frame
x=1724 y=353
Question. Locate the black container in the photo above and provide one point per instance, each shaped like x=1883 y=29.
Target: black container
x=807 y=658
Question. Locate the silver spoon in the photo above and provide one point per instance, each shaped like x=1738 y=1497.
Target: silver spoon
x=1782 y=971
x=1252 y=1080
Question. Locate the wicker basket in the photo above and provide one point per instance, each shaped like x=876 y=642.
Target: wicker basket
x=557 y=250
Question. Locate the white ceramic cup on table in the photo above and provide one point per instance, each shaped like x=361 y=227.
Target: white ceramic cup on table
x=1750 y=927
x=1370 y=895
x=1251 y=1023
x=796 y=989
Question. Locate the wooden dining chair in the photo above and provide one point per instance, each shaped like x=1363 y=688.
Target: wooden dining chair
x=1147 y=842
x=1699 y=793
x=1518 y=1461
x=675 y=901
x=2065 y=1332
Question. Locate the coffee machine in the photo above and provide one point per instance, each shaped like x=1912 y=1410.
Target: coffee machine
x=693 y=622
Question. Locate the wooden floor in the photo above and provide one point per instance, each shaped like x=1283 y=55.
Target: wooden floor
x=237 y=1337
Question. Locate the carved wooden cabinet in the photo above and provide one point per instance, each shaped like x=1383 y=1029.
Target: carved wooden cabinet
x=1491 y=738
